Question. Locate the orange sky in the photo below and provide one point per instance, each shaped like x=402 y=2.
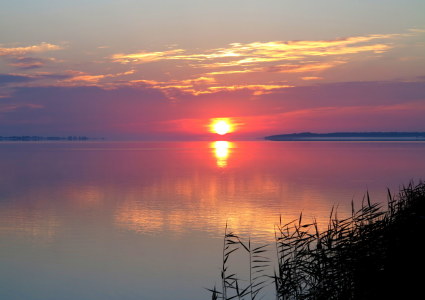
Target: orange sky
x=163 y=71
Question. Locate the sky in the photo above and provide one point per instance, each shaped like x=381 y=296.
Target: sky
x=158 y=70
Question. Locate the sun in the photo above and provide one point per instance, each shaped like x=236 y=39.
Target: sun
x=221 y=126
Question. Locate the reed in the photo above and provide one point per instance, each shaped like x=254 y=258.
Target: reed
x=370 y=255
x=231 y=286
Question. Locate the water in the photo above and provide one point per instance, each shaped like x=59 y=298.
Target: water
x=145 y=220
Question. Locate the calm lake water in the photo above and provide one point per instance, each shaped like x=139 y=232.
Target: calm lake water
x=145 y=220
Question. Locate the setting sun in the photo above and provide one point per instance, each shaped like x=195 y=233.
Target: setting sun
x=221 y=126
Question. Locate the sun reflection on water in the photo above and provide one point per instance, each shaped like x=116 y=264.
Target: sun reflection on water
x=148 y=190
x=222 y=152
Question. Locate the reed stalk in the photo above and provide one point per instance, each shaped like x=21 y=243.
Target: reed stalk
x=370 y=255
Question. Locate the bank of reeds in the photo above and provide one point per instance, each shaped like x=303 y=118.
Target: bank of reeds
x=376 y=253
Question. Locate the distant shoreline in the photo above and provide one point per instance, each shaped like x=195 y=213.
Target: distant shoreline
x=349 y=136
x=25 y=138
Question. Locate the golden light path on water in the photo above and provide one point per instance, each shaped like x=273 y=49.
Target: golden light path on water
x=222 y=151
x=210 y=200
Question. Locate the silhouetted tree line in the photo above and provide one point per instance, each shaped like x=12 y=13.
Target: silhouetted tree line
x=48 y=138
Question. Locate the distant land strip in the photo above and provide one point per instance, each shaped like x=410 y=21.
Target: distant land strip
x=47 y=138
x=349 y=136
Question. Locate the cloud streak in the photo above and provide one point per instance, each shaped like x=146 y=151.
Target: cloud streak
x=11 y=78
x=26 y=63
x=242 y=54
x=257 y=67
x=256 y=62
x=16 y=51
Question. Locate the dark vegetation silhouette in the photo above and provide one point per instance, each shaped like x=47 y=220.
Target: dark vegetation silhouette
x=375 y=253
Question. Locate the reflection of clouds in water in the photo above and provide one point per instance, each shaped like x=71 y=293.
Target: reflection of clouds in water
x=37 y=224
x=206 y=203
x=179 y=187
x=139 y=208
x=41 y=220
x=134 y=217
x=85 y=195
